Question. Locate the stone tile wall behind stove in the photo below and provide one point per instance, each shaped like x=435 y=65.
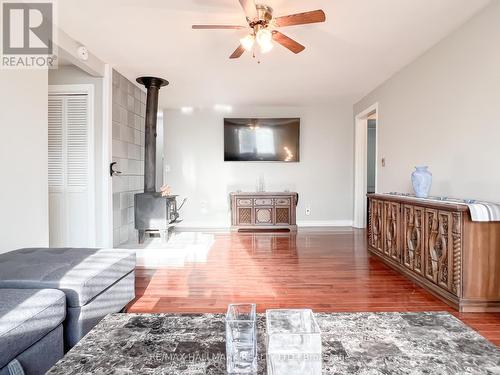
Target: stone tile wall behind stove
x=129 y=108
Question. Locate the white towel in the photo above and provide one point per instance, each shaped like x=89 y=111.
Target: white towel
x=484 y=211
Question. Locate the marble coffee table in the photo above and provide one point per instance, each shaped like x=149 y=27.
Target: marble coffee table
x=358 y=343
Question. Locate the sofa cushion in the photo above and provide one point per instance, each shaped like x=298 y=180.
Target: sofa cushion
x=26 y=316
x=80 y=273
x=80 y=320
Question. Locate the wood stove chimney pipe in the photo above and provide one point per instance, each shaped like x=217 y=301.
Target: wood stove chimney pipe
x=153 y=85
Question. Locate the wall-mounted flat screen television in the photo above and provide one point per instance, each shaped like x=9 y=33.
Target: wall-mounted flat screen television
x=263 y=139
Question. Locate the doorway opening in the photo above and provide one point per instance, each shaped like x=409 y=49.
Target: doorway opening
x=78 y=177
x=365 y=168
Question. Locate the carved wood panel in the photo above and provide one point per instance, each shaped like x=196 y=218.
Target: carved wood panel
x=456 y=286
x=392 y=215
x=264 y=216
x=282 y=215
x=244 y=215
x=413 y=241
x=376 y=224
x=263 y=202
x=282 y=202
x=244 y=202
x=439 y=248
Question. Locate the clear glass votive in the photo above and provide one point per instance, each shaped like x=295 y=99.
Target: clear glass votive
x=241 y=339
x=293 y=343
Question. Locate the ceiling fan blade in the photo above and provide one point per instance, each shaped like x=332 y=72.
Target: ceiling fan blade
x=218 y=27
x=301 y=18
x=249 y=8
x=287 y=42
x=237 y=54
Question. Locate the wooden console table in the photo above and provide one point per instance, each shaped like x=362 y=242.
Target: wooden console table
x=264 y=211
x=437 y=245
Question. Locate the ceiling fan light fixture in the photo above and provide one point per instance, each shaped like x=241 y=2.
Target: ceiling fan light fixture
x=266 y=47
x=264 y=37
x=247 y=42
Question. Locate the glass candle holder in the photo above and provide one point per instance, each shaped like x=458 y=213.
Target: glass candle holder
x=293 y=343
x=241 y=339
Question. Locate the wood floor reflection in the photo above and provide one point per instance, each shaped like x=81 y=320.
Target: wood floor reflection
x=328 y=271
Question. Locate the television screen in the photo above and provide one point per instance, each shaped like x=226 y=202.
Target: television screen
x=265 y=139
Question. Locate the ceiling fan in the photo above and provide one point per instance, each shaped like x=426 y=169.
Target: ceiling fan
x=263 y=26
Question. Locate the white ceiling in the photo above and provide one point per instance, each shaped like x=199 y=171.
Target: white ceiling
x=362 y=44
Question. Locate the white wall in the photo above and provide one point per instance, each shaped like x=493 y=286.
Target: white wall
x=324 y=178
x=23 y=159
x=443 y=110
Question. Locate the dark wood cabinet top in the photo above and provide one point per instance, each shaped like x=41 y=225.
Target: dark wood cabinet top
x=263 y=194
x=430 y=203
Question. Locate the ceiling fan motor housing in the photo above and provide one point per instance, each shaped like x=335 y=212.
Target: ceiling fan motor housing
x=264 y=13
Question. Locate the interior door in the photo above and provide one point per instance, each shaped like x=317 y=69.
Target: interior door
x=69 y=155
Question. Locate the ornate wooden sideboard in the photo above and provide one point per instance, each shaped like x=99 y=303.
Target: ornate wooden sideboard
x=438 y=246
x=263 y=211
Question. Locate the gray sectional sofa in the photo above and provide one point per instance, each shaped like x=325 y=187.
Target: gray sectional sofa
x=31 y=332
x=93 y=282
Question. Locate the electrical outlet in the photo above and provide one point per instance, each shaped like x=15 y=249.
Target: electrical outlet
x=204 y=207
x=308 y=211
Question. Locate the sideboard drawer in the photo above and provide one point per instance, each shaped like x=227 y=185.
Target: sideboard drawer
x=263 y=202
x=282 y=201
x=244 y=202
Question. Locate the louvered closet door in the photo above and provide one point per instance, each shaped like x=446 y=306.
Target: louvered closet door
x=68 y=141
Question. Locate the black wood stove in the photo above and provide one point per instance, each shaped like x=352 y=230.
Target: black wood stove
x=153 y=212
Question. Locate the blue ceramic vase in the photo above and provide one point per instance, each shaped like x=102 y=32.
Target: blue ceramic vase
x=421 y=179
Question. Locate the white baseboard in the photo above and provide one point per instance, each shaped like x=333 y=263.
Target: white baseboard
x=203 y=225
x=325 y=223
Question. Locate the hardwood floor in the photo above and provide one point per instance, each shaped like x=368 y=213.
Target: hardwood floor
x=328 y=271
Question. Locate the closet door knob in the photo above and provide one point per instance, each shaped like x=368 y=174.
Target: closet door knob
x=112 y=172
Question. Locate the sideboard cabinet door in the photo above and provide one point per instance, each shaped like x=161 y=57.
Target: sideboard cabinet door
x=413 y=238
x=244 y=216
x=282 y=215
x=392 y=225
x=439 y=248
x=376 y=225
x=264 y=216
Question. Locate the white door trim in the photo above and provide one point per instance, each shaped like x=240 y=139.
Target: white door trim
x=360 y=164
x=107 y=156
x=85 y=89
